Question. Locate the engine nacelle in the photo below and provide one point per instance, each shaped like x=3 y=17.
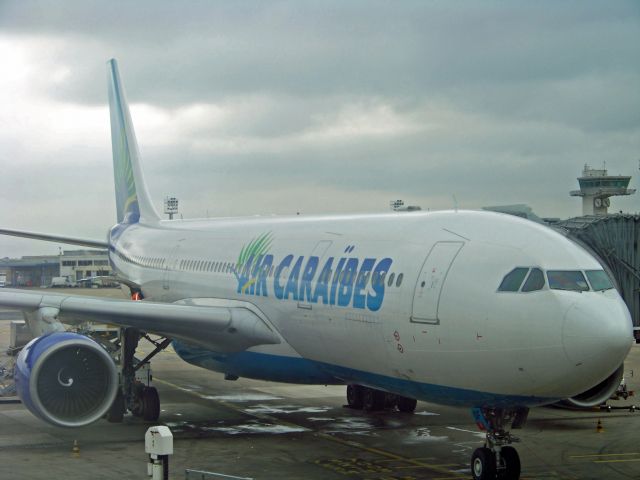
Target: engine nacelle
x=599 y=394
x=66 y=379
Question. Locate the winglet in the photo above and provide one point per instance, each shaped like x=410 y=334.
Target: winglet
x=132 y=198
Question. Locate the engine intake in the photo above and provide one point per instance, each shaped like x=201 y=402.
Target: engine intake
x=599 y=394
x=66 y=379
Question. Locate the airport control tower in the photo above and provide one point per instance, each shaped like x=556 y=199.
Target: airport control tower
x=596 y=187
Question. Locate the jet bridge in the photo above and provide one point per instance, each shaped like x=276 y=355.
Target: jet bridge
x=614 y=240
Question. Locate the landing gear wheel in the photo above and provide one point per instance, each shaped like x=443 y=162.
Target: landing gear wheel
x=483 y=464
x=150 y=404
x=116 y=412
x=373 y=400
x=407 y=405
x=510 y=461
x=354 y=396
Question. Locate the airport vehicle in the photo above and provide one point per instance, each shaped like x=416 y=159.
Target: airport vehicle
x=62 y=282
x=469 y=308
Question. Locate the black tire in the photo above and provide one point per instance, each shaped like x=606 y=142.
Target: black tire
x=354 y=396
x=150 y=404
x=116 y=412
x=138 y=407
x=406 y=405
x=372 y=399
x=483 y=464
x=510 y=461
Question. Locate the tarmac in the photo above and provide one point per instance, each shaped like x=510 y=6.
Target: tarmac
x=262 y=430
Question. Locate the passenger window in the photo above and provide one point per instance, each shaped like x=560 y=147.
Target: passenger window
x=512 y=281
x=567 y=280
x=390 y=281
x=535 y=281
x=599 y=280
x=399 y=279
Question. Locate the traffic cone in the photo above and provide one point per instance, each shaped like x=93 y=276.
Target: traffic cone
x=599 y=427
x=75 y=451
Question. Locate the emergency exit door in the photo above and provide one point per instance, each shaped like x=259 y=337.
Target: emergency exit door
x=426 y=295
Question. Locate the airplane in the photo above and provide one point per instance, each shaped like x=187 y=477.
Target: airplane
x=469 y=308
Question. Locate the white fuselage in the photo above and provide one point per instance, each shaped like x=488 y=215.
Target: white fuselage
x=442 y=332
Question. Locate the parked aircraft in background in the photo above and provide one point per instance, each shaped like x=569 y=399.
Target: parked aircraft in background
x=467 y=308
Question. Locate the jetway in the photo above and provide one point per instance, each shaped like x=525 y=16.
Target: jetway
x=614 y=240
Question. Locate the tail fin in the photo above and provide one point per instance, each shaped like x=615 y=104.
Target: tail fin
x=132 y=198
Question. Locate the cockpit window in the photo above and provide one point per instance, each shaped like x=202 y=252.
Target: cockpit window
x=535 y=281
x=567 y=280
x=599 y=280
x=512 y=280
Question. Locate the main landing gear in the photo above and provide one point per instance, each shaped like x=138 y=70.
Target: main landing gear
x=136 y=393
x=497 y=459
x=372 y=400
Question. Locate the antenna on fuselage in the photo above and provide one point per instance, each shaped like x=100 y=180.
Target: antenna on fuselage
x=455 y=202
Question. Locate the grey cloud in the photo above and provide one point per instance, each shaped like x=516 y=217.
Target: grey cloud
x=506 y=102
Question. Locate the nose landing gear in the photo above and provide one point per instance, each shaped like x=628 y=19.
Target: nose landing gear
x=497 y=459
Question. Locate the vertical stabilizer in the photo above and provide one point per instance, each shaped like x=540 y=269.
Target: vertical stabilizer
x=132 y=198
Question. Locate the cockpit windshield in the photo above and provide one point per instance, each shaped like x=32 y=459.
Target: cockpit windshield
x=599 y=280
x=573 y=280
x=513 y=280
x=567 y=280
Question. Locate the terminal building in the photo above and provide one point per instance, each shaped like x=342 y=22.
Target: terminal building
x=79 y=264
x=31 y=271
x=38 y=271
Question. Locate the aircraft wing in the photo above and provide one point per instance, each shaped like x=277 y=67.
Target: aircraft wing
x=220 y=328
x=84 y=242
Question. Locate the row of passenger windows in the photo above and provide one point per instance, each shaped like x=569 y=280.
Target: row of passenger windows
x=345 y=277
x=206 y=266
x=378 y=279
x=556 y=279
x=150 y=262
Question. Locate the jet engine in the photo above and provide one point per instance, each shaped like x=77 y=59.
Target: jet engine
x=599 y=394
x=66 y=379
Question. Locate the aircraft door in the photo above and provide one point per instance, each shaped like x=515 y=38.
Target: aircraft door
x=426 y=295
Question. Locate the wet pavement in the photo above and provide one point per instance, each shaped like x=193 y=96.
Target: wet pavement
x=267 y=430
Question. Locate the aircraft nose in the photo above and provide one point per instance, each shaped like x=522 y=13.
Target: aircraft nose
x=597 y=330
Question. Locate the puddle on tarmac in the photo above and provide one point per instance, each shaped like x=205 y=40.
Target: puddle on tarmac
x=285 y=409
x=257 y=427
x=481 y=435
x=243 y=397
x=421 y=435
x=320 y=419
x=254 y=427
x=425 y=413
x=351 y=426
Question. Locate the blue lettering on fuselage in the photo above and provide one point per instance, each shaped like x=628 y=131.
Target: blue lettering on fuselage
x=353 y=282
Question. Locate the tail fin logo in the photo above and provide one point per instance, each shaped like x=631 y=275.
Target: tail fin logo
x=133 y=202
x=125 y=183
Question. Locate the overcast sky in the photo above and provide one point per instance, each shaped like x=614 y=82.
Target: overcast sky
x=245 y=108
